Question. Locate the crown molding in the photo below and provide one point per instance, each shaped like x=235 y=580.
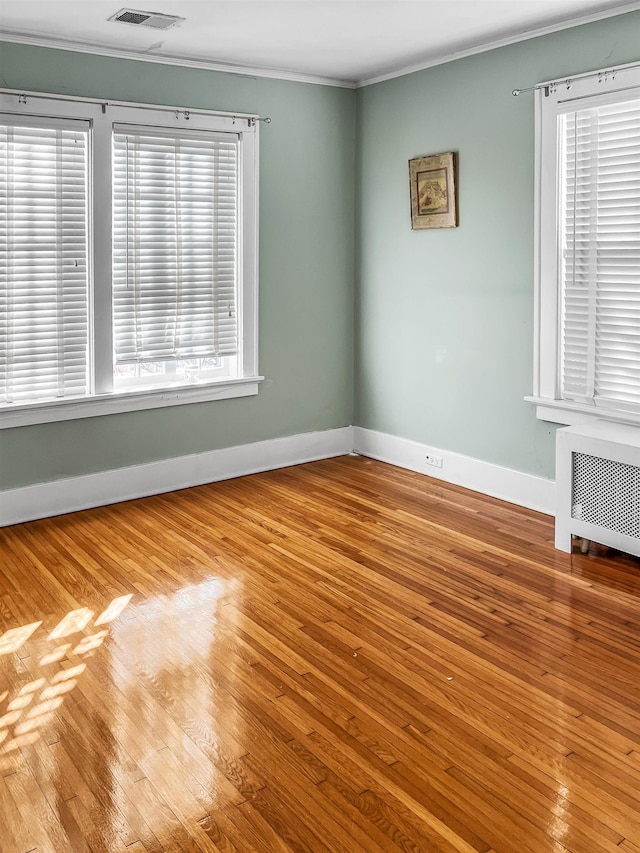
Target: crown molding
x=36 y=40
x=503 y=42
x=39 y=40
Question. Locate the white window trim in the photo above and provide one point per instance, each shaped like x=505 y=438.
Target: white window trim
x=128 y=401
x=103 y=400
x=605 y=86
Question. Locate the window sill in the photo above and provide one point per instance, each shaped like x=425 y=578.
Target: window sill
x=128 y=401
x=574 y=414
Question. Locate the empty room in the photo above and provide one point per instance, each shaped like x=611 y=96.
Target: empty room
x=320 y=426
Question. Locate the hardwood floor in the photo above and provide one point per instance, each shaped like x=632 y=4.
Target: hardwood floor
x=342 y=656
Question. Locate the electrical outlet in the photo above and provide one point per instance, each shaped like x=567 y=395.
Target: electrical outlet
x=434 y=461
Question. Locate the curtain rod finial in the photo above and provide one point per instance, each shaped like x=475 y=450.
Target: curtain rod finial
x=515 y=93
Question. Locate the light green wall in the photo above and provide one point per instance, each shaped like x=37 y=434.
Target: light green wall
x=444 y=318
x=306 y=268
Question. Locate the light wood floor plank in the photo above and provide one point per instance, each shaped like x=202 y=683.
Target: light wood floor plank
x=342 y=656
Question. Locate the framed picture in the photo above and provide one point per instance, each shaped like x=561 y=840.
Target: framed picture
x=432 y=181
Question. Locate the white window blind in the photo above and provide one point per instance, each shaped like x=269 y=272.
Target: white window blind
x=600 y=247
x=175 y=236
x=43 y=259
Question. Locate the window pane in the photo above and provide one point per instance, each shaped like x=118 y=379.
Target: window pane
x=43 y=262
x=175 y=203
x=600 y=220
x=154 y=374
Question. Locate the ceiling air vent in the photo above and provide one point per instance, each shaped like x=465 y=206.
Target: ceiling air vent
x=154 y=20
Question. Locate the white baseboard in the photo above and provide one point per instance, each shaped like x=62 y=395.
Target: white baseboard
x=523 y=489
x=42 y=500
x=57 y=497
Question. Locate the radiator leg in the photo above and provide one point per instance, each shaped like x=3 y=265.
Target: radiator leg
x=584 y=545
x=563 y=536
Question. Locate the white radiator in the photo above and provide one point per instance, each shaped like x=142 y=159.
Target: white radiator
x=598 y=485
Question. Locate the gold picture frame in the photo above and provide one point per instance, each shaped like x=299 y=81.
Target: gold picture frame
x=432 y=182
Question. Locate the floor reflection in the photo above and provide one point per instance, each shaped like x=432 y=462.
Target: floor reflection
x=126 y=703
x=34 y=703
x=161 y=667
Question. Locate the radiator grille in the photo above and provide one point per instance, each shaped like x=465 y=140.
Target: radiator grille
x=606 y=493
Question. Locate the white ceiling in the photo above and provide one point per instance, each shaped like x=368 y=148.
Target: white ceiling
x=343 y=40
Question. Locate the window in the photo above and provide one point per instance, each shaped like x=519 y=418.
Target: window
x=588 y=249
x=127 y=258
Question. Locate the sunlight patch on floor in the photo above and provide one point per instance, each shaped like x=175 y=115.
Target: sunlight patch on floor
x=34 y=704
